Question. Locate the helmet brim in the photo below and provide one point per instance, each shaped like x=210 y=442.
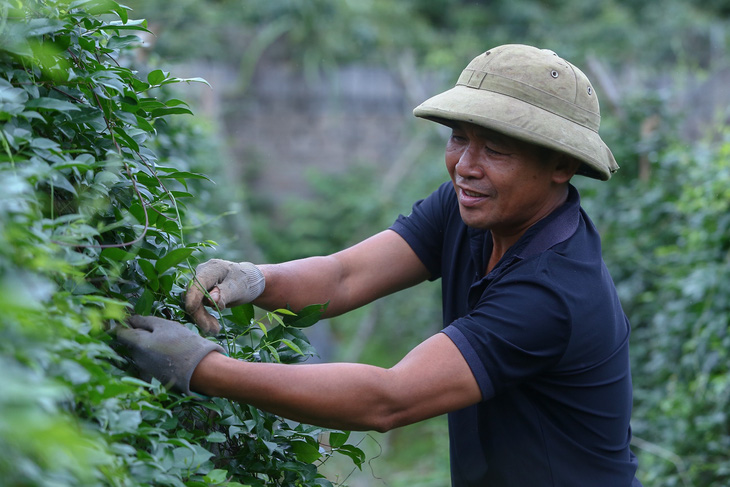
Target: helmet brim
x=522 y=121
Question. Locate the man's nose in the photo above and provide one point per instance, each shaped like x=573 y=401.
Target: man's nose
x=469 y=165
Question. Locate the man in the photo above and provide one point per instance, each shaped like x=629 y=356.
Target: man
x=532 y=364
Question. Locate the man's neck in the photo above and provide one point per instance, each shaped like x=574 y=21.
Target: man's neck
x=502 y=241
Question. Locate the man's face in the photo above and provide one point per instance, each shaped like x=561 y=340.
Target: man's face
x=502 y=184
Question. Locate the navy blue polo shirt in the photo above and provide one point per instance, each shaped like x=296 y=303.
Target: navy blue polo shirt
x=547 y=341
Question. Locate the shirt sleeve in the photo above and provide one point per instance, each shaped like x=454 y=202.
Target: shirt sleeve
x=424 y=228
x=519 y=328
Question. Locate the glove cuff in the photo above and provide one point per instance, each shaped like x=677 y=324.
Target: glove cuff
x=254 y=279
x=196 y=356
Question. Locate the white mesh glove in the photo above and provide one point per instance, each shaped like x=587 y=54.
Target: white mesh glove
x=228 y=283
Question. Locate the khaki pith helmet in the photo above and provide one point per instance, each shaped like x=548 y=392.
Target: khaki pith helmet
x=533 y=95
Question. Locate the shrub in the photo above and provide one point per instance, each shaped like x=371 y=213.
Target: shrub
x=93 y=228
x=667 y=241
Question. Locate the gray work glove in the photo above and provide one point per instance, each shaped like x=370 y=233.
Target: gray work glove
x=228 y=283
x=165 y=350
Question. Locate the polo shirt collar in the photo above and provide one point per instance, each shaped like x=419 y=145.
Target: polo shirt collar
x=557 y=227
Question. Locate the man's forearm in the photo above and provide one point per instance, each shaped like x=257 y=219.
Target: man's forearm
x=338 y=395
x=300 y=283
x=378 y=266
x=432 y=379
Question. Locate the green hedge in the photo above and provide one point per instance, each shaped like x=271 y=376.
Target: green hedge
x=666 y=240
x=94 y=212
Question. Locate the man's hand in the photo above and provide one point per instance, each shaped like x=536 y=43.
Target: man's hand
x=227 y=283
x=165 y=350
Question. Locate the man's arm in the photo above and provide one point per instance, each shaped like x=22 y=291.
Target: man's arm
x=432 y=379
x=380 y=265
x=375 y=267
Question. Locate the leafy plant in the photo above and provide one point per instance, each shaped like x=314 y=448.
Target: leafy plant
x=94 y=227
x=666 y=242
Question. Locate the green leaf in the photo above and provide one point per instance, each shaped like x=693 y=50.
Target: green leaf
x=171 y=227
x=285 y=312
x=182 y=175
x=144 y=303
x=9 y=94
x=43 y=143
x=120 y=42
x=356 y=454
x=139 y=212
x=109 y=79
x=243 y=314
x=46 y=103
x=162 y=112
x=174 y=102
x=149 y=104
x=118 y=255
x=98 y=7
x=126 y=139
x=138 y=85
x=122 y=12
x=130 y=25
x=307 y=317
x=216 y=476
x=292 y=345
x=338 y=438
x=262 y=327
x=166 y=283
x=144 y=124
x=125 y=421
x=40 y=27
x=216 y=437
x=156 y=77
x=173 y=258
x=305 y=451
x=83 y=162
x=192 y=80
x=16 y=43
x=148 y=269
x=28 y=115
x=193 y=456
x=58 y=181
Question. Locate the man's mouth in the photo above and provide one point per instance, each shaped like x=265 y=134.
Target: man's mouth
x=469 y=198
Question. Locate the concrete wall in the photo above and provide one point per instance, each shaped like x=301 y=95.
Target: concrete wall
x=285 y=125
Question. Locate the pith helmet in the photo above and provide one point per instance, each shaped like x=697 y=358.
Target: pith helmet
x=533 y=95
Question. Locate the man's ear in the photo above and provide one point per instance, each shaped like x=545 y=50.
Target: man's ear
x=565 y=167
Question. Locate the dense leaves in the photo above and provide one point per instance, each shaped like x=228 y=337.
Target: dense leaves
x=320 y=34
x=667 y=241
x=94 y=211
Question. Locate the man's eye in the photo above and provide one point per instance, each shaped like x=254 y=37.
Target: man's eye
x=493 y=151
x=457 y=137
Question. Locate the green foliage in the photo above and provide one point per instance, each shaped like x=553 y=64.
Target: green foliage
x=664 y=229
x=94 y=209
x=324 y=33
x=667 y=244
x=320 y=232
